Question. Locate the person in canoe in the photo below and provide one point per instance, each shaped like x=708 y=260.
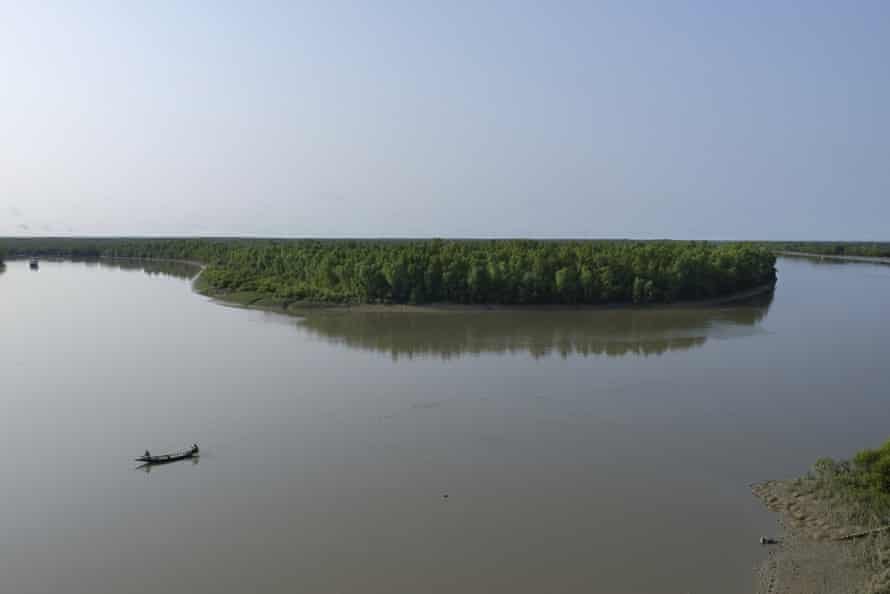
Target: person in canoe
x=194 y=448
x=147 y=455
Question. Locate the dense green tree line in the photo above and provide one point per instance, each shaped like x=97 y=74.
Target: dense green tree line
x=504 y=271
x=203 y=250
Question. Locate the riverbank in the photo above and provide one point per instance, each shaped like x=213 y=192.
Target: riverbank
x=258 y=301
x=821 y=548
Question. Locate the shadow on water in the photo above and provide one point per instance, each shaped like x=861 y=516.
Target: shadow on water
x=610 y=333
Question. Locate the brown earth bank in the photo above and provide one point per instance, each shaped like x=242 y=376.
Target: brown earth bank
x=821 y=548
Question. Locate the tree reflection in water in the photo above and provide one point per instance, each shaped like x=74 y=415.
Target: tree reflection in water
x=610 y=333
x=182 y=270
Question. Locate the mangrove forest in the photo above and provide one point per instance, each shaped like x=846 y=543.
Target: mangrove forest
x=509 y=272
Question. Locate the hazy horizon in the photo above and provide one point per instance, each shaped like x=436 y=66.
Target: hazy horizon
x=259 y=237
x=694 y=120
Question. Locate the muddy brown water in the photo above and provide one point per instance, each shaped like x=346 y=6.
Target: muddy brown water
x=604 y=451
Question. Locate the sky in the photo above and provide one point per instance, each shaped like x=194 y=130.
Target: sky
x=683 y=120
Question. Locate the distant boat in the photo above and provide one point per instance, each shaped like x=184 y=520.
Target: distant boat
x=34 y=264
x=165 y=458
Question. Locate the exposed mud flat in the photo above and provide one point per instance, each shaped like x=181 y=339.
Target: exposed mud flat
x=810 y=557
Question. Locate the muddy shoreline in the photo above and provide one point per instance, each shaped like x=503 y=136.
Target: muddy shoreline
x=814 y=552
x=259 y=302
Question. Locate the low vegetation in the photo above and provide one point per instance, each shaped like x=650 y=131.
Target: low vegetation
x=835 y=523
x=863 y=483
x=857 y=493
x=473 y=272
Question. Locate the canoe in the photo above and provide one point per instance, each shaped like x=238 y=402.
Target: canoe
x=165 y=458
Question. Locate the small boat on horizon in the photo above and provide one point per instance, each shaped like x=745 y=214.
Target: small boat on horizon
x=148 y=458
x=34 y=264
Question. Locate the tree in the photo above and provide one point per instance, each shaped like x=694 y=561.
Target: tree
x=477 y=283
x=589 y=289
x=567 y=284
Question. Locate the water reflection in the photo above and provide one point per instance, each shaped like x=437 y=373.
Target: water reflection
x=182 y=270
x=610 y=333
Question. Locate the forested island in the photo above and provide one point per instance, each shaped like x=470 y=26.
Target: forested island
x=507 y=272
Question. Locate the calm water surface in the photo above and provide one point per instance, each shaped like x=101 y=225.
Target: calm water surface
x=580 y=451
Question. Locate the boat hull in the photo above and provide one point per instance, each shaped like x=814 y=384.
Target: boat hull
x=166 y=458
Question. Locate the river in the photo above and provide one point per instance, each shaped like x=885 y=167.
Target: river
x=596 y=451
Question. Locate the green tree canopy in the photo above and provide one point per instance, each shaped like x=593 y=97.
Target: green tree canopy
x=502 y=272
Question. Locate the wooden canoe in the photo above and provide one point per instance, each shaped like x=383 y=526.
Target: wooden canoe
x=165 y=458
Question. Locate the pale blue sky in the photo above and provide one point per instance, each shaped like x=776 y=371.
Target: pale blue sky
x=723 y=120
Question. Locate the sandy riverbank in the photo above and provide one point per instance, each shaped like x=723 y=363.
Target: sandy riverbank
x=811 y=557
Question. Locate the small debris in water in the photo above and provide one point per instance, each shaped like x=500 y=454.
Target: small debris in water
x=445 y=496
x=767 y=541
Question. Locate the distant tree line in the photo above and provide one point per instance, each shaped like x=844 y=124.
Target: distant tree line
x=832 y=248
x=466 y=271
